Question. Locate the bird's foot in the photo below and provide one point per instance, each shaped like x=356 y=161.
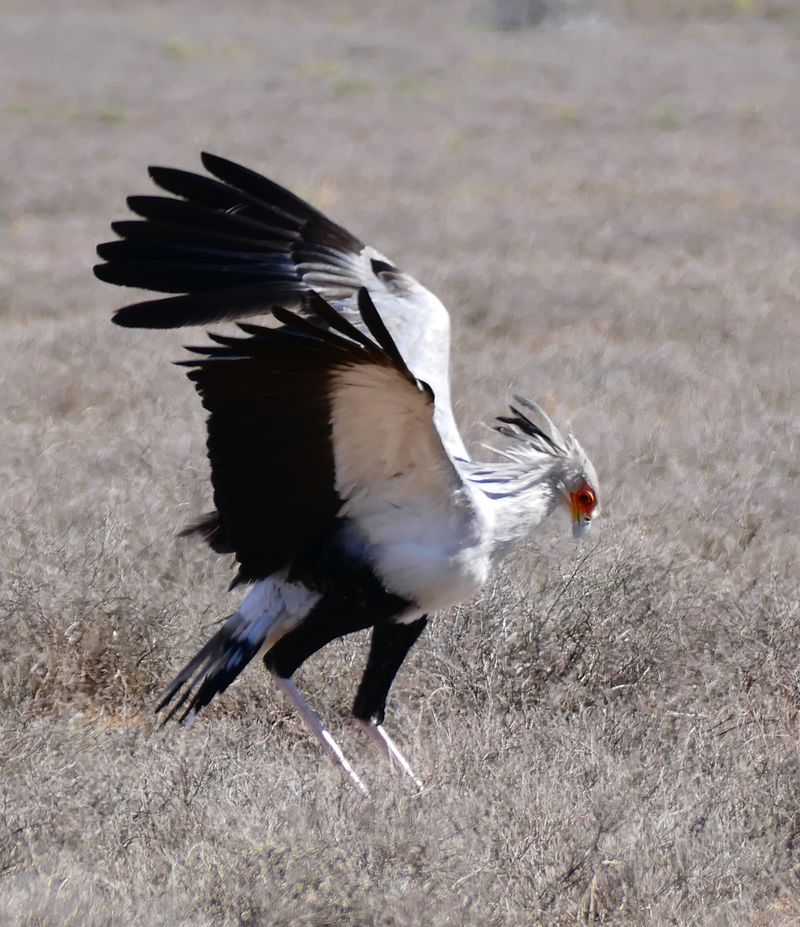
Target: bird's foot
x=317 y=728
x=391 y=751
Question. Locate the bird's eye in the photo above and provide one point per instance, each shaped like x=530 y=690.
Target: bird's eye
x=586 y=498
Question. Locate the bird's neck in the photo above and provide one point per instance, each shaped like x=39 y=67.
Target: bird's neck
x=520 y=499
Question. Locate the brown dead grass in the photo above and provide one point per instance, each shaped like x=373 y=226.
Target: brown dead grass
x=609 y=734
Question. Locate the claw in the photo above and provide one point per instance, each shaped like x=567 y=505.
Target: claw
x=317 y=728
x=390 y=750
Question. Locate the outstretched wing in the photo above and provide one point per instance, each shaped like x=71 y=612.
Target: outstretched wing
x=235 y=244
x=308 y=424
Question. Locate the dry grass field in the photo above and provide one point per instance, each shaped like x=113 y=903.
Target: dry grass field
x=609 y=203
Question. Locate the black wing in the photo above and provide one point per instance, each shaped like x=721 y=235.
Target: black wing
x=270 y=442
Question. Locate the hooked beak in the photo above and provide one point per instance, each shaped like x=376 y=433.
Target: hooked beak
x=580 y=521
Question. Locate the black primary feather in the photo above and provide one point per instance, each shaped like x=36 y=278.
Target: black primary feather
x=230 y=246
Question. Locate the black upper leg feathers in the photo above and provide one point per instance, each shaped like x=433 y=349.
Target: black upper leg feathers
x=390 y=643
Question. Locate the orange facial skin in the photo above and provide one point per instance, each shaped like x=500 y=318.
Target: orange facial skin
x=583 y=502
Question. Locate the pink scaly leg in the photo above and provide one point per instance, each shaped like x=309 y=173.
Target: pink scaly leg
x=317 y=728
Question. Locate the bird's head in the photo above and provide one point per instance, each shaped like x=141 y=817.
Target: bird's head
x=565 y=461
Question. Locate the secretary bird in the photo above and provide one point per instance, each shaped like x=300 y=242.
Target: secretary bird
x=341 y=483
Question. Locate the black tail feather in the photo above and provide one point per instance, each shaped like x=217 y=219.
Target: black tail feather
x=213 y=669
